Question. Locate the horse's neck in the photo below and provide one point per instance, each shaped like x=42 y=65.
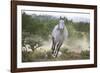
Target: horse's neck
x=60 y=26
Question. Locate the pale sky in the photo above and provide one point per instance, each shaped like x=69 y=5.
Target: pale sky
x=75 y=16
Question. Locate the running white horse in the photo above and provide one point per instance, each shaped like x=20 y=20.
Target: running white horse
x=59 y=34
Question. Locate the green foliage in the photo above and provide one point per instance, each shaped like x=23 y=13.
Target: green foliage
x=38 y=25
x=43 y=25
x=85 y=54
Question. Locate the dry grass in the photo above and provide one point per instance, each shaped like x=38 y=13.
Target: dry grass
x=38 y=56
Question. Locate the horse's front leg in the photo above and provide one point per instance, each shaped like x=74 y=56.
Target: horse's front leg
x=58 y=48
x=53 y=45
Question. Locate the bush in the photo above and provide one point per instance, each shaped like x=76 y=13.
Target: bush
x=85 y=54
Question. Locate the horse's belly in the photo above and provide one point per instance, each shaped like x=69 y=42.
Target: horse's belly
x=60 y=39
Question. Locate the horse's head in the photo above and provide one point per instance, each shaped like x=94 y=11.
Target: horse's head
x=61 y=23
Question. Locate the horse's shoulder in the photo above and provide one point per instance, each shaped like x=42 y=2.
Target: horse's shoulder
x=55 y=28
x=55 y=31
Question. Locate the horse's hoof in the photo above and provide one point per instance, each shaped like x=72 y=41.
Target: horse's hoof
x=53 y=55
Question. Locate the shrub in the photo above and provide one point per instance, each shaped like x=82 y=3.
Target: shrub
x=85 y=54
